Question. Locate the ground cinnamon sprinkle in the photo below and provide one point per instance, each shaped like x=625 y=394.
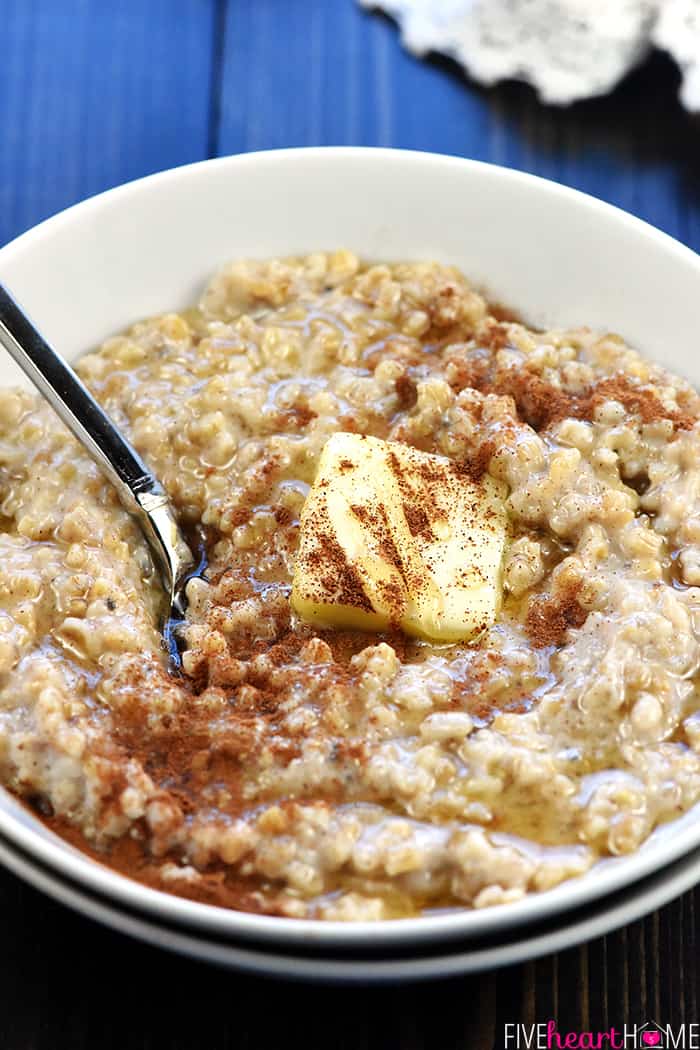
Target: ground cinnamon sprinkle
x=350 y=750
x=387 y=547
x=344 y=577
x=196 y=751
x=495 y=336
x=376 y=521
x=550 y=616
x=415 y=500
x=417 y=520
x=469 y=369
x=473 y=691
x=541 y=404
x=537 y=402
x=298 y=416
x=406 y=391
x=477 y=464
x=240 y=516
x=283 y=515
x=642 y=400
x=361 y=512
x=220 y=885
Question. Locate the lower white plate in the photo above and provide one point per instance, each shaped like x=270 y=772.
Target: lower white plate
x=473 y=956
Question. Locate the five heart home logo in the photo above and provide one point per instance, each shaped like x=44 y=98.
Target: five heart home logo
x=545 y=1035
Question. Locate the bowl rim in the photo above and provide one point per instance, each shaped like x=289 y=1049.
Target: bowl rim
x=444 y=960
x=16 y=822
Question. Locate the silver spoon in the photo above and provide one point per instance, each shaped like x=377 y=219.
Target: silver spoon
x=139 y=491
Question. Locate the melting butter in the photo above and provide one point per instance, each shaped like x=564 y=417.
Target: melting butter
x=392 y=536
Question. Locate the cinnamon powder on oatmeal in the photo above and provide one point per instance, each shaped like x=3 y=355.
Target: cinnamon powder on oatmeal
x=541 y=404
x=406 y=391
x=549 y=617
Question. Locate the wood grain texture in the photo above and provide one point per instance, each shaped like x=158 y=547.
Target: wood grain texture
x=93 y=93
x=60 y=975
x=322 y=72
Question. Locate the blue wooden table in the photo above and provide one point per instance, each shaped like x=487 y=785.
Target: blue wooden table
x=96 y=92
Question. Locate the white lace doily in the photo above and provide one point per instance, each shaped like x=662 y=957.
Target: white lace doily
x=567 y=49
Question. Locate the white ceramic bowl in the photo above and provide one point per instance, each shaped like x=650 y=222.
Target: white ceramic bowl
x=437 y=960
x=555 y=255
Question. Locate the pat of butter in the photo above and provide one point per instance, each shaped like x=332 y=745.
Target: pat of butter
x=391 y=536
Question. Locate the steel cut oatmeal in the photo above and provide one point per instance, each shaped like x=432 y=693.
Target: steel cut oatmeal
x=331 y=772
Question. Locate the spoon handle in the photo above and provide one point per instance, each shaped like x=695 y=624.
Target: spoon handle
x=139 y=491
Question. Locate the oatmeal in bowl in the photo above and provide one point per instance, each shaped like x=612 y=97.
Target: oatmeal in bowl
x=445 y=651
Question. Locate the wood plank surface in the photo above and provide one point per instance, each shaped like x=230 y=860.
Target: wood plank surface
x=320 y=72
x=61 y=975
x=93 y=93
